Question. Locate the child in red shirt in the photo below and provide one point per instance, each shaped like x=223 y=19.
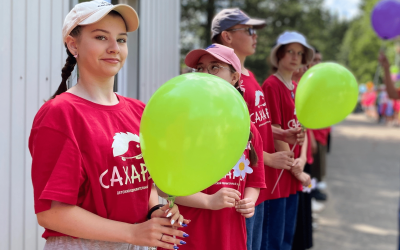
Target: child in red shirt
x=91 y=185
x=219 y=211
x=291 y=53
x=233 y=28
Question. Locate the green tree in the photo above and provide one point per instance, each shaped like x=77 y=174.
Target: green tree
x=322 y=29
x=360 y=48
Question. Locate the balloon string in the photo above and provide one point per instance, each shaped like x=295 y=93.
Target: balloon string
x=280 y=175
x=378 y=68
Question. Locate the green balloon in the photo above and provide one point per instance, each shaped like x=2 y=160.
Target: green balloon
x=326 y=94
x=193 y=131
x=394 y=69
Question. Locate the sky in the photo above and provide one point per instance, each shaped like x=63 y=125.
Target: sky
x=347 y=9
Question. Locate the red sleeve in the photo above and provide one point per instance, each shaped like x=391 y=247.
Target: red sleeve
x=257 y=178
x=57 y=172
x=272 y=97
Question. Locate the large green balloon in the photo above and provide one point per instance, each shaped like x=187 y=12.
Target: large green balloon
x=326 y=94
x=193 y=131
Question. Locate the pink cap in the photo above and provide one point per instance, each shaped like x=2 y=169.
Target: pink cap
x=220 y=52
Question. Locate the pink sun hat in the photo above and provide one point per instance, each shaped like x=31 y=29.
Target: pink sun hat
x=220 y=52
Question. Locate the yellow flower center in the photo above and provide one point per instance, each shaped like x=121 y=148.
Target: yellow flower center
x=241 y=166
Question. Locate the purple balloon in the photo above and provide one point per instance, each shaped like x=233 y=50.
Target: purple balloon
x=385 y=19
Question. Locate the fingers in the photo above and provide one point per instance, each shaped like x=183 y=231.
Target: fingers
x=165 y=207
x=169 y=239
x=248 y=215
x=243 y=202
x=175 y=218
x=288 y=153
x=232 y=193
x=186 y=221
x=229 y=202
x=173 y=232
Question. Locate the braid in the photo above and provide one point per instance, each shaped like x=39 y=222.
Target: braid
x=65 y=74
x=252 y=152
x=68 y=67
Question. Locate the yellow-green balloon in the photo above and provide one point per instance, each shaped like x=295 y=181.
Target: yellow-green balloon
x=326 y=94
x=193 y=131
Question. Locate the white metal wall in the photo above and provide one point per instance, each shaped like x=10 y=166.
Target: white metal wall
x=159 y=44
x=31 y=58
x=30 y=62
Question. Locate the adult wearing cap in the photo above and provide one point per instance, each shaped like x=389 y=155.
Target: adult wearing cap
x=91 y=186
x=289 y=54
x=233 y=28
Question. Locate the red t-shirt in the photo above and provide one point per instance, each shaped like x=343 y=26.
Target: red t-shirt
x=283 y=113
x=88 y=155
x=321 y=135
x=225 y=228
x=310 y=158
x=260 y=116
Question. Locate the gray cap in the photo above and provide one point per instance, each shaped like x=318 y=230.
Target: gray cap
x=227 y=18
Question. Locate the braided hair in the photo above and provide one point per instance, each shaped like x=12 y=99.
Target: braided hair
x=68 y=67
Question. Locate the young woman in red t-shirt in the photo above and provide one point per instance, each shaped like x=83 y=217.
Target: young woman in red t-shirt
x=290 y=54
x=91 y=186
x=219 y=211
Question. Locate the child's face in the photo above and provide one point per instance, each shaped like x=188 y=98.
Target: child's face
x=243 y=43
x=292 y=58
x=207 y=64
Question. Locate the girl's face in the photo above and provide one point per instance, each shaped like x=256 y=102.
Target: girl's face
x=102 y=47
x=207 y=64
x=293 y=55
x=241 y=41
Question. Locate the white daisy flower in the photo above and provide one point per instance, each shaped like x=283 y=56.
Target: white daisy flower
x=242 y=167
x=310 y=187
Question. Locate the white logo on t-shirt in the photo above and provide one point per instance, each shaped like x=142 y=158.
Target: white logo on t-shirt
x=259 y=94
x=121 y=145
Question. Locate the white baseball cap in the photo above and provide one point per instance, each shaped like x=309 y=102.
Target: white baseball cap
x=90 y=12
x=291 y=37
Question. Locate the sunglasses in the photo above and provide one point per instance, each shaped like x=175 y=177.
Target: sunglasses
x=250 y=31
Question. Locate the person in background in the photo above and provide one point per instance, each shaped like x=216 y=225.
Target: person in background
x=303 y=236
x=234 y=29
x=290 y=53
x=220 y=211
x=319 y=142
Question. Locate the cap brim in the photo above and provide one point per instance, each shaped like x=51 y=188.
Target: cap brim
x=256 y=23
x=193 y=57
x=127 y=12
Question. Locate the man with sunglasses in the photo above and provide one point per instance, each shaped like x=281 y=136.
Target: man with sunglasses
x=234 y=29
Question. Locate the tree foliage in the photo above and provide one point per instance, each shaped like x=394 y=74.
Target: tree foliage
x=360 y=47
x=323 y=29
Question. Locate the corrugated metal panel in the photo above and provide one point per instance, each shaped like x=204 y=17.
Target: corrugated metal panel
x=5 y=125
x=32 y=55
x=159 y=44
x=31 y=59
